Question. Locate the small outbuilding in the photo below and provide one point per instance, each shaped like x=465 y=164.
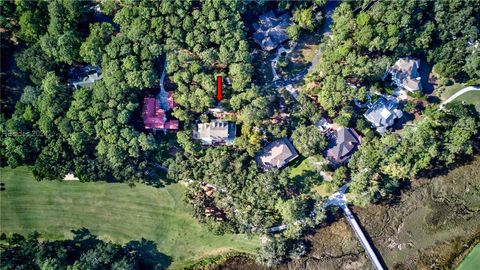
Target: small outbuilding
x=323 y=125
x=70 y=177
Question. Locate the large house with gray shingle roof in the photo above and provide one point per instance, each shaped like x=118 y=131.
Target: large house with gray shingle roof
x=345 y=141
x=276 y=154
x=405 y=74
x=271 y=30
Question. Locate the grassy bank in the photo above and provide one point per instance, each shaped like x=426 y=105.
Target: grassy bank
x=114 y=212
x=451 y=90
x=472 y=97
x=472 y=261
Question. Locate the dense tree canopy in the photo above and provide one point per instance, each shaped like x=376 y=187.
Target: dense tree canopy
x=244 y=193
x=438 y=139
x=84 y=251
x=308 y=140
x=94 y=131
x=454 y=29
x=367 y=37
x=97 y=133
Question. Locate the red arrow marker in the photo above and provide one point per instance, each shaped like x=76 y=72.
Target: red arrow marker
x=219 y=88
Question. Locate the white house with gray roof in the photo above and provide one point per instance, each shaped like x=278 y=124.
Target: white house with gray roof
x=215 y=133
x=84 y=76
x=405 y=74
x=383 y=113
x=88 y=80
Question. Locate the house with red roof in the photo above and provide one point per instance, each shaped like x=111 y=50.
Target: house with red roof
x=155 y=112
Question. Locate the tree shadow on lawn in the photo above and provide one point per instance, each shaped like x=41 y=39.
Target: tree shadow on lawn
x=145 y=251
x=148 y=254
x=306 y=180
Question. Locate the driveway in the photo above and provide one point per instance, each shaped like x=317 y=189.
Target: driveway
x=277 y=82
x=459 y=93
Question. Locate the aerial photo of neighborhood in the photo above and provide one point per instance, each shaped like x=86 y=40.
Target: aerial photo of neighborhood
x=240 y=134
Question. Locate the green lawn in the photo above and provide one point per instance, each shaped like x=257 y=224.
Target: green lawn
x=303 y=167
x=114 y=212
x=299 y=167
x=472 y=261
x=472 y=97
x=324 y=189
x=305 y=49
x=451 y=90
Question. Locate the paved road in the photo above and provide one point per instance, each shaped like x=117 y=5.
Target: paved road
x=459 y=93
x=329 y=8
x=162 y=78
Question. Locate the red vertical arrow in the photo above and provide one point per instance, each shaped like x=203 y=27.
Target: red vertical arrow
x=219 y=88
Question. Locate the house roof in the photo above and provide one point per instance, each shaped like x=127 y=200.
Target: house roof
x=166 y=100
x=271 y=30
x=383 y=113
x=346 y=141
x=84 y=76
x=88 y=80
x=70 y=177
x=209 y=190
x=170 y=101
x=276 y=154
x=215 y=132
x=406 y=65
x=405 y=73
x=154 y=117
x=412 y=84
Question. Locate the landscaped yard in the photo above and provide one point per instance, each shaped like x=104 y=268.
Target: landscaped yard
x=114 y=212
x=301 y=56
x=306 y=48
x=299 y=167
x=451 y=90
x=472 y=97
x=472 y=261
x=302 y=168
x=324 y=189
